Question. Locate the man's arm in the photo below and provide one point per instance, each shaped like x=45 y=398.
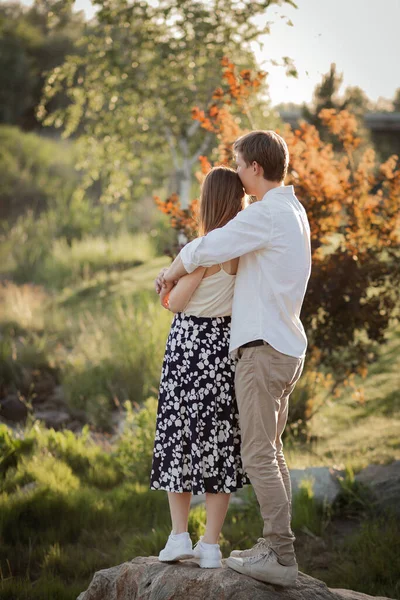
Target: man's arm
x=182 y=292
x=175 y=271
x=250 y=230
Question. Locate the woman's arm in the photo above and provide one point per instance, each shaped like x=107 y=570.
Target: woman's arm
x=180 y=295
x=164 y=295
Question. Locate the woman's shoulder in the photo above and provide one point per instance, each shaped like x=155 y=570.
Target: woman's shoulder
x=229 y=267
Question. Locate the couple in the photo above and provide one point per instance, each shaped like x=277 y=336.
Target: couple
x=225 y=384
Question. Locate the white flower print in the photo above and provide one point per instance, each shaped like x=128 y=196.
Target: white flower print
x=197 y=442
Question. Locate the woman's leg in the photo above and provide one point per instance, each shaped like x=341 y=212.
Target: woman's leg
x=216 y=508
x=179 y=506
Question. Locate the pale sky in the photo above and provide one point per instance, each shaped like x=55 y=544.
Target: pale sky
x=361 y=36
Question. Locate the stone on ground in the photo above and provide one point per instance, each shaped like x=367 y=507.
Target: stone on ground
x=148 y=579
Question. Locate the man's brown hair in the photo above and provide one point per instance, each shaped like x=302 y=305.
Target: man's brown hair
x=266 y=148
x=222 y=197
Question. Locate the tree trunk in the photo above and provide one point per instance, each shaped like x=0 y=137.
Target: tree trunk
x=184 y=190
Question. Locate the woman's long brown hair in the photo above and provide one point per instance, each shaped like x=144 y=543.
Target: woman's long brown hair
x=222 y=197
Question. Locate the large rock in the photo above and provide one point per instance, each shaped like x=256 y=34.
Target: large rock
x=325 y=484
x=324 y=481
x=384 y=481
x=148 y=579
x=12 y=409
x=236 y=499
x=53 y=418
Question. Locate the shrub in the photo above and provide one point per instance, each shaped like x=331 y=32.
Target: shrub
x=352 y=203
x=31 y=241
x=134 y=450
x=34 y=171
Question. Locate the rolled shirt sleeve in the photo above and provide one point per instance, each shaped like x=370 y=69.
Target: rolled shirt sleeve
x=250 y=230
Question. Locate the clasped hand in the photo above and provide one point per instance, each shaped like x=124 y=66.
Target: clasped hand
x=163 y=287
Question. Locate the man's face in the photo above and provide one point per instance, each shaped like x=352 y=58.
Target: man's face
x=246 y=174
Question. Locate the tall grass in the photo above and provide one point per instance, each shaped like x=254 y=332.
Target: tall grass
x=23 y=305
x=116 y=357
x=101 y=338
x=30 y=325
x=369 y=561
x=67 y=510
x=36 y=255
x=67 y=265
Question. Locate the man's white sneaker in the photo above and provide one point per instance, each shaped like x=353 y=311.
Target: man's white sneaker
x=178 y=547
x=264 y=567
x=208 y=554
x=259 y=548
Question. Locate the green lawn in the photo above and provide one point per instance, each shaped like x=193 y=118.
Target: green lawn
x=362 y=426
x=69 y=507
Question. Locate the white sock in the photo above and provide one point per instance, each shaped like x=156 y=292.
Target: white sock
x=177 y=536
x=206 y=544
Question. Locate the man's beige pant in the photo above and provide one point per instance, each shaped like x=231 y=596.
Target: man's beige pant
x=264 y=380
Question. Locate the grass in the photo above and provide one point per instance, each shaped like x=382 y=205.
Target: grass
x=85 y=258
x=67 y=510
x=361 y=425
x=68 y=507
x=369 y=561
x=47 y=588
x=102 y=338
x=116 y=357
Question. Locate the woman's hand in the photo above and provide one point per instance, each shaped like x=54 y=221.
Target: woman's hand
x=160 y=282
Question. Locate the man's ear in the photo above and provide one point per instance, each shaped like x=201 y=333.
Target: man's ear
x=257 y=169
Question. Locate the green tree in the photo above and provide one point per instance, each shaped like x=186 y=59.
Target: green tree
x=356 y=101
x=146 y=65
x=32 y=41
x=327 y=96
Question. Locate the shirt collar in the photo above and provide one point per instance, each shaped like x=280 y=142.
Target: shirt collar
x=283 y=189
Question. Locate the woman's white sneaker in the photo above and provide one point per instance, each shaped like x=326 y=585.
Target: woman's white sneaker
x=178 y=547
x=209 y=555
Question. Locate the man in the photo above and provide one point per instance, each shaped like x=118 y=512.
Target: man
x=272 y=238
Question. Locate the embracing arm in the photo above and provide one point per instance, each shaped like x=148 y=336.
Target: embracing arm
x=175 y=271
x=250 y=230
x=177 y=299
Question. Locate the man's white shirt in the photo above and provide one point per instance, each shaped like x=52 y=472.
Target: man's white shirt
x=272 y=238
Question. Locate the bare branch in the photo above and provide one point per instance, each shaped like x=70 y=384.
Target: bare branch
x=193 y=128
x=172 y=146
x=203 y=148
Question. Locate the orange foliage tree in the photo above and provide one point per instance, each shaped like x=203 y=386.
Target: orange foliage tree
x=352 y=204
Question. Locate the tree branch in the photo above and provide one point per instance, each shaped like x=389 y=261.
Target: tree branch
x=193 y=128
x=171 y=144
x=203 y=148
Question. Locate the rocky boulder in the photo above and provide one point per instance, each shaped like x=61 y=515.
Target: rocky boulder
x=384 y=481
x=324 y=480
x=12 y=409
x=148 y=579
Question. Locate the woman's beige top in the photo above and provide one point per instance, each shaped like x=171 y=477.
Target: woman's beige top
x=213 y=297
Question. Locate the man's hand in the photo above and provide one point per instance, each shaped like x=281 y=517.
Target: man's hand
x=160 y=282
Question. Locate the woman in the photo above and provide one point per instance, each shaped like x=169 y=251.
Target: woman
x=197 y=442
